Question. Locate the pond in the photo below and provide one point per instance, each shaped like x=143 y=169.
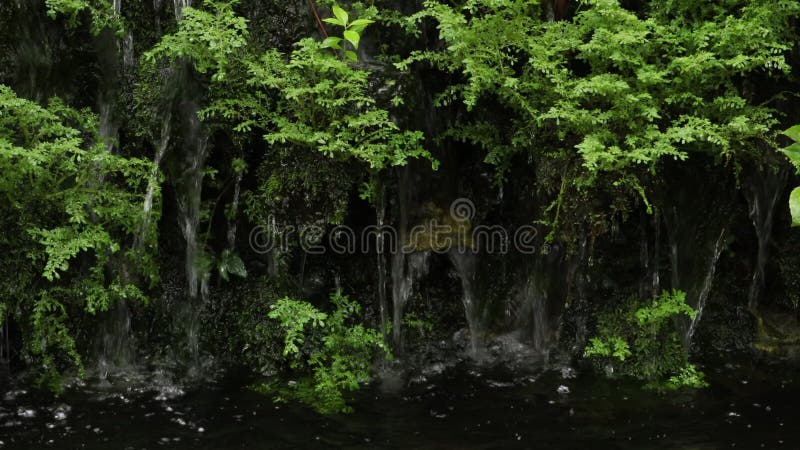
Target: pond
x=458 y=407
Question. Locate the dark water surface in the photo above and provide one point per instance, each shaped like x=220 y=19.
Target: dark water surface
x=462 y=407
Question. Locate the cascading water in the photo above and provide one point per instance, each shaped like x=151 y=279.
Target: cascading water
x=189 y=195
x=402 y=282
x=153 y=182
x=237 y=189
x=108 y=129
x=179 y=5
x=762 y=195
x=156 y=16
x=195 y=152
x=464 y=264
x=381 y=261
x=406 y=270
x=705 y=288
x=695 y=249
x=116 y=348
x=532 y=300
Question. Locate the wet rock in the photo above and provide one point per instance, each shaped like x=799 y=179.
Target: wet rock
x=568 y=373
x=563 y=390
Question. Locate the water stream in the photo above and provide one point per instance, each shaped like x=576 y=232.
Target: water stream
x=464 y=263
x=762 y=195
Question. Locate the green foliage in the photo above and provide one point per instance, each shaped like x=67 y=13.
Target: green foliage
x=319 y=103
x=610 y=94
x=610 y=347
x=793 y=153
x=101 y=11
x=336 y=351
x=80 y=205
x=638 y=339
x=209 y=39
x=231 y=264
x=687 y=376
x=351 y=32
x=293 y=316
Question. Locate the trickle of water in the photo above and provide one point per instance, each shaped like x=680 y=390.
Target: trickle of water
x=762 y=195
x=706 y=287
x=406 y=270
x=179 y=5
x=464 y=263
x=108 y=129
x=117 y=7
x=127 y=50
x=541 y=291
x=189 y=201
x=156 y=16
x=380 y=253
x=237 y=188
x=116 y=349
x=152 y=183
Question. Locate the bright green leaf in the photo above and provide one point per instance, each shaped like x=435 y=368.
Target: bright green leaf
x=793 y=153
x=793 y=133
x=352 y=37
x=794 y=206
x=340 y=14
x=332 y=42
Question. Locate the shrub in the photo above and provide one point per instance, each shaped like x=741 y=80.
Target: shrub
x=331 y=352
x=639 y=339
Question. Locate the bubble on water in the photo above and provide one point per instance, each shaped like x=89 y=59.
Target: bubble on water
x=201 y=430
x=13 y=394
x=563 y=390
x=61 y=411
x=26 y=413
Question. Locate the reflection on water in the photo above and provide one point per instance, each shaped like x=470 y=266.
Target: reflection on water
x=457 y=407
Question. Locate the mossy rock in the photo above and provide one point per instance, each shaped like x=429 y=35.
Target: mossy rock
x=439 y=231
x=778 y=332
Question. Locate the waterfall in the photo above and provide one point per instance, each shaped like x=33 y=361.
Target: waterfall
x=153 y=182
x=532 y=317
x=406 y=270
x=762 y=196
x=402 y=276
x=117 y=7
x=706 y=286
x=576 y=308
x=381 y=263
x=695 y=249
x=189 y=196
x=179 y=5
x=5 y=340
x=116 y=347
x=189 y=203
x=656 y=252
x=128 y=59
x=108 y=129
x=649 y=261
x=157 y=17
x=464 y=263
x=237 y=188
